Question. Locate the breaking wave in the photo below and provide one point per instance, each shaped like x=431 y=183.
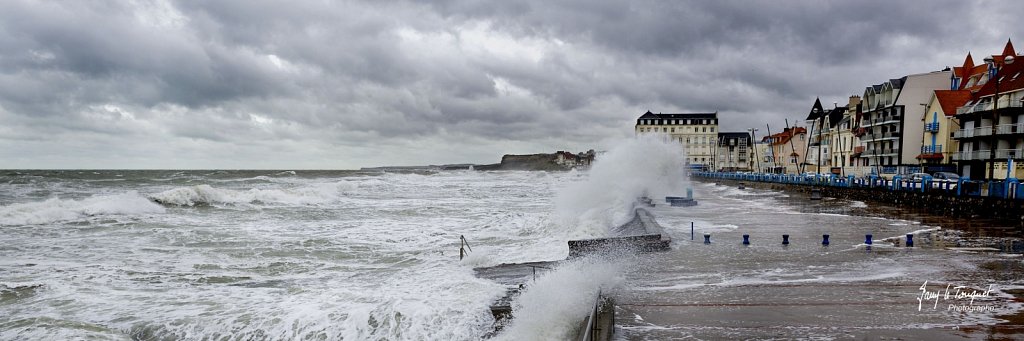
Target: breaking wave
x=649 y=166
x=206 y=195
x=57 y=210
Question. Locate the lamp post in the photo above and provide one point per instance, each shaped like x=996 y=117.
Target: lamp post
x=753 y=143
x=994 y=75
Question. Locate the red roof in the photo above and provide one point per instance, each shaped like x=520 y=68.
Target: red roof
x=1012 y=79
x=786 y=135
x=952 y=99
x=969 y=70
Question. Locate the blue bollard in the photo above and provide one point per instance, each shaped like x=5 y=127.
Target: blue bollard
x=867 y=239
x=824 y=239
x=746 y=239
x=785 y=239
x=689 y=193
x=707 y=238
x=910 y=240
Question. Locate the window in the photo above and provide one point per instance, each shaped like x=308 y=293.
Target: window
x=712 y=129
x=792 y=159
x=673 y=130
x=704 y=130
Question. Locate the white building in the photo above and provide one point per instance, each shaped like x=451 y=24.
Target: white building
x=697 y=132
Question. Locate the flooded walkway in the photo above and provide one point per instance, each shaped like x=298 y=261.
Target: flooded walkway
x=845 y=290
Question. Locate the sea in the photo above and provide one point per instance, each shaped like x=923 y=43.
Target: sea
x=381 y=255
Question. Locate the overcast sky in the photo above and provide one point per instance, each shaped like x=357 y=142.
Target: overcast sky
x=329 y=85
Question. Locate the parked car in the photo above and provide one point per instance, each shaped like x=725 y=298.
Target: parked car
x=946 y=176
x=917 y=177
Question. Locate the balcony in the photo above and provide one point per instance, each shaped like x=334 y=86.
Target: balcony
x=1008 y=153
x=963 y=134
x=983 y=131
x=931 y=149
x=1005 y=129
x=931 y=127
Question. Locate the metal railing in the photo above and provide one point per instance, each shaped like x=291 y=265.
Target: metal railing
x=931 y=127
x=590 y=332
x=1004 y=129
x=931 y=149
x=1006 y=189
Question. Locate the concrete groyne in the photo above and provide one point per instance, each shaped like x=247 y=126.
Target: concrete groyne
x=640 y=234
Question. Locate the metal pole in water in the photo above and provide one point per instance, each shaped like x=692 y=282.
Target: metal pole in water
x=867 y=239
x=707 y=238
x=910 y=240
x=691 y=230
x=746 y=239
x=785 y=239
x=824 y=240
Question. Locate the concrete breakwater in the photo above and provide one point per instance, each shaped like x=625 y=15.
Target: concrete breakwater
x=933 y=202
x=640 y=234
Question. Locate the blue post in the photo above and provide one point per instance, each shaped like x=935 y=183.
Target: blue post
x=746 y=239
x=689 y=193
x=910 y=240
x=691 y=230
x=785 y=239
x=867 y=239
x=960 y=185
x=824 y=240
x=707 y=238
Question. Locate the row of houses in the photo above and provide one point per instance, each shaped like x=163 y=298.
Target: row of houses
x=967 y=119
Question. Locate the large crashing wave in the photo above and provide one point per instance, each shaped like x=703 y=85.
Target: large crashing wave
x=202 y=195
x=57 y=210
x=647 y=165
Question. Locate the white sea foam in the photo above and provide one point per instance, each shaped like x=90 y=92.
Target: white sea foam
x=649 y=166
x=56 y=209
x=209 y=195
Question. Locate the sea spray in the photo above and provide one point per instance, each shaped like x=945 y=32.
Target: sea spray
x=647 y=165
x=552 y=307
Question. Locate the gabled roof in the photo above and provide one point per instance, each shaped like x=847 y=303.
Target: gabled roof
x=835 y=116
x=949 y=100
x=787 y=134
x=648 y=114
x=812 y=115
x=1008 y=82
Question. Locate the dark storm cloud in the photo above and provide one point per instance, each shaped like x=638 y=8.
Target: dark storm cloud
x=321 y=84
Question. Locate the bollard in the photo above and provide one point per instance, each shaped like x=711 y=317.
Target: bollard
x=746 y=239
x=785 y=239
x=910 y=240
x=691 y=230
x=824 y=239
x=867 y=239
x=707 y=238
x=689 y=193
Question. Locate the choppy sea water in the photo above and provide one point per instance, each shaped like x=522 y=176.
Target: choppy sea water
x=274 y=255
x=326 y=255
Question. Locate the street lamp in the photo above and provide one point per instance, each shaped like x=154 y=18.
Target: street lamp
x=993 y=72
x=753 y=143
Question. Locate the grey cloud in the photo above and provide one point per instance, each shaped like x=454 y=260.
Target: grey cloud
x=354 y=83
